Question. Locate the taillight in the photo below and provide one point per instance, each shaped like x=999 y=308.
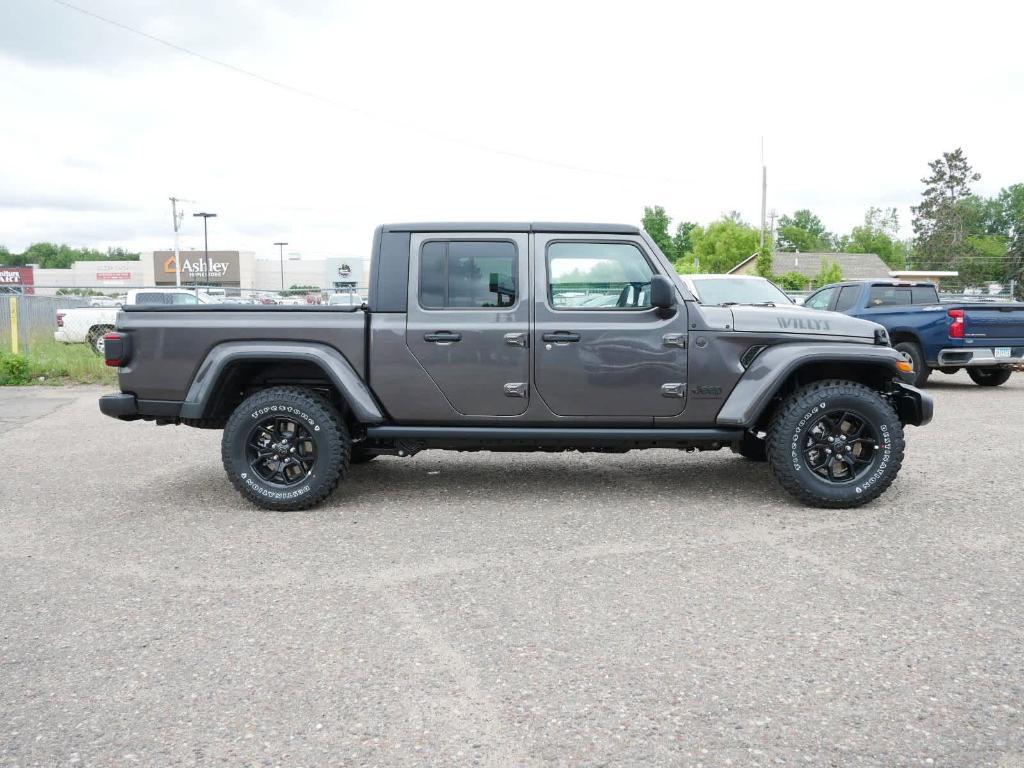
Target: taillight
x=60 y=319
x=116 y=349
x=956 y=323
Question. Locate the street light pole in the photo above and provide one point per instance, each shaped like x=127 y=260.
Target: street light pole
x=281 y=248
x=206 y=245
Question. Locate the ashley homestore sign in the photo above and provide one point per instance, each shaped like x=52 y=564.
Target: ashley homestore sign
x=220 y=268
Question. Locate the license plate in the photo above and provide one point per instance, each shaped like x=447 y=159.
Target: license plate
x=1004 y=352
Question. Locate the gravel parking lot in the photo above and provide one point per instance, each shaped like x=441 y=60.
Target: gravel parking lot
x=653 y=608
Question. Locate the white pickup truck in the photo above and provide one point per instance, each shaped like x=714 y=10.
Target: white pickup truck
x=87 y=325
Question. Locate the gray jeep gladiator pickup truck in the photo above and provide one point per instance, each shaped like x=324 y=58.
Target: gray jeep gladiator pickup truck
x=519 y=337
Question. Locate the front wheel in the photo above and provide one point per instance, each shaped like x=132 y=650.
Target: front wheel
x=285 y=448
x=989 y=377
x=835 y=444
x=913 y=350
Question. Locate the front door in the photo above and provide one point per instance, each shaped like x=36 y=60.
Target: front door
x=468 y=319
x=601 y=349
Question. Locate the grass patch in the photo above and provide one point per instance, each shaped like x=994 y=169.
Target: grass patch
x=60 y=363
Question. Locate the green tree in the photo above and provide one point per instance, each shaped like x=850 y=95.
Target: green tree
x=878 y=235
x=765 y=264
x=682 y=241
x=830 y=272
x=1015 y=258
x=941 y=220
x=5 y=256
x=803 y=231
x=723 y=244
x=656 y=223
x=794 y=281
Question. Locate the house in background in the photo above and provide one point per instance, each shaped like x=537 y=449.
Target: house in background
x=855 y=266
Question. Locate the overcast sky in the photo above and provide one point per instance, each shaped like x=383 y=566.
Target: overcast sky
x=476 y=110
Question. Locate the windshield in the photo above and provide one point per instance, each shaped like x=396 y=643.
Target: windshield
x=737 y=290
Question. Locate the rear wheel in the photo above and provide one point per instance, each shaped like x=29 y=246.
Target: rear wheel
x=95 y=338
x=913 y=350
x=989 y=377
x=285 y=448
x=835 y=444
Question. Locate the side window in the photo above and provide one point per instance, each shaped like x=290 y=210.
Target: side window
x=467 y=274
x=888 y=296
x=821 y=299
x=847 y=297
x=924 y=294
x=598 y=276
x=184 y=298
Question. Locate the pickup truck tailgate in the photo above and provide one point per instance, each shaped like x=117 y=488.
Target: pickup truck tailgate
x=994 y=321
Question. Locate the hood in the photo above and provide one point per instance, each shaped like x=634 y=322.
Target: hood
x=801 y=321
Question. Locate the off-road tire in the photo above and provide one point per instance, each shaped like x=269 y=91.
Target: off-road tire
x=989 y=377
x=789 y=432
x=361 y=455
x=95 y=338
x=752 y=447
x=326 y=429
x=921 y=370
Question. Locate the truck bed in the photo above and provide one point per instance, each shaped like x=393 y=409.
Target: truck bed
x=169 y=342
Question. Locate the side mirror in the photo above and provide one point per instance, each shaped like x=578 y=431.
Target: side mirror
x=663 y=293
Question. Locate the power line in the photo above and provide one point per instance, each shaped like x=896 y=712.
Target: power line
x=362 y=112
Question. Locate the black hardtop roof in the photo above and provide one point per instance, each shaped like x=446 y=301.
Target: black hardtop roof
x=509 y=226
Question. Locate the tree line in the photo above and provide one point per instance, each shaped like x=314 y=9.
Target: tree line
x=955 y=229
x=54 y=256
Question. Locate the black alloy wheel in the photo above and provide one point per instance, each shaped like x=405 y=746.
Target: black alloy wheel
x=281 y=451
x=840 y=446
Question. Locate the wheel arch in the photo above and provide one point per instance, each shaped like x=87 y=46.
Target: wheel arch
x=233 y=370
x=784 y=368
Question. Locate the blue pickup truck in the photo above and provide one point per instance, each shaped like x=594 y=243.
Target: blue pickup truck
x=985 y=338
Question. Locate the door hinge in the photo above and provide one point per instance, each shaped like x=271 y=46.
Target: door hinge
x=515 y=389
x=516 y=339
x=674 y=340
x=673 y=389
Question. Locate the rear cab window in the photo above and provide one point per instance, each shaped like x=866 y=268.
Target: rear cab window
x=890 y=296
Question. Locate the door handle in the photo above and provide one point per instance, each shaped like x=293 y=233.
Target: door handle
x=561 y=337
x=515 y=339
x=442 y=337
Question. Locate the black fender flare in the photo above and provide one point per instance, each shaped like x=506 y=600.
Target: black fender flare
x=334 y=365
x=775 y=365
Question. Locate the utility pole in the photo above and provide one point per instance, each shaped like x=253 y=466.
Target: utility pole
x=206 y=246
x=281 y=249
x=764 y=193
x=176 y=218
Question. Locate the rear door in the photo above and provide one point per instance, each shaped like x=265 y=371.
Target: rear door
x=600 y=348
x=468 y=318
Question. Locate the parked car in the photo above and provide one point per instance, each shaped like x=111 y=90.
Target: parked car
x=88 y=325
x=466 y=344
x=985 y=338
x=726 y=290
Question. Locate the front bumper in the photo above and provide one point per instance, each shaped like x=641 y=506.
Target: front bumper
x=120 y=406
x=61 y=335
x=913 y=406
x=970 y=357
